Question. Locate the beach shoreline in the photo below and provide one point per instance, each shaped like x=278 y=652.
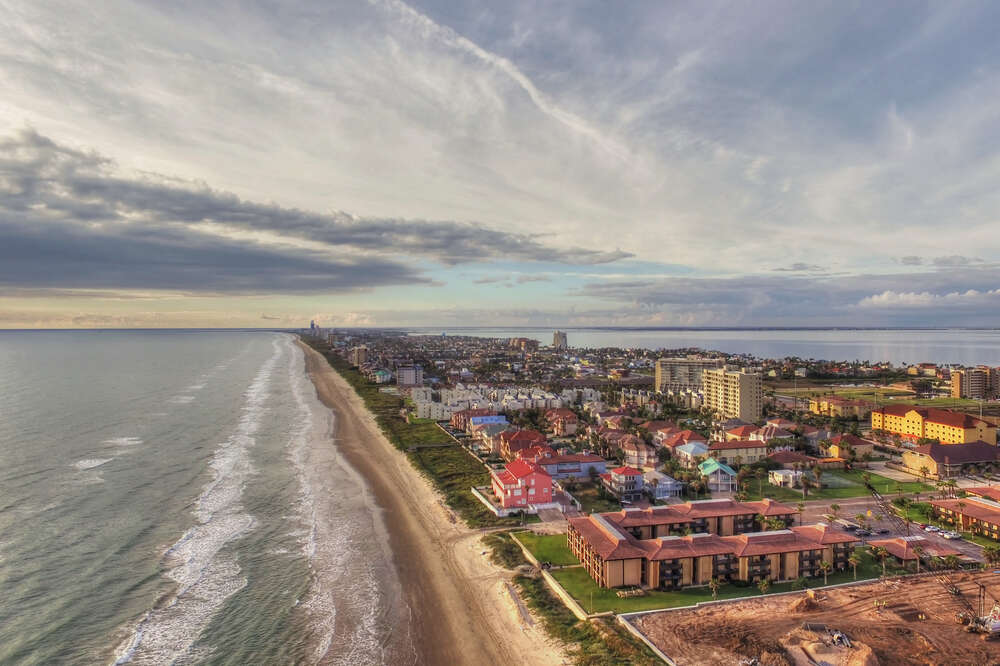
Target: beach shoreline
x=460 y=606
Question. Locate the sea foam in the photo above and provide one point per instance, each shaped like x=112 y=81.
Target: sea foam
x=204 y=575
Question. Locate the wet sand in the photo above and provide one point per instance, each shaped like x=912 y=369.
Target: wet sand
x=461 y=609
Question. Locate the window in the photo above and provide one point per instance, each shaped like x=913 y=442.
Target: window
x=531 y=491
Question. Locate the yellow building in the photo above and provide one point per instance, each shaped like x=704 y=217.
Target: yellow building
x=733 y=394
x=944 y=425
x=831 y=405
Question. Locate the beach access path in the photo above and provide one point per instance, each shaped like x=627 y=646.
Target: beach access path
x=461 y=605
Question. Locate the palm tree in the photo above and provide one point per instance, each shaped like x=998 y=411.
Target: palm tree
x=760 y=474
x=825 y=567
x=951 y=561
x=764 y=585
x=861 y=519
x=800 y=508
x=854 y=561
x=992 y=553
x=805 y=486
x=834 y=510
x=713 y=585
x=881 y=553
x=818 y=473
x=919 y=552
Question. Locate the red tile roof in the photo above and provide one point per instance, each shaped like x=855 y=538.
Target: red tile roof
x=959 y=454
x=521 y=468
x=989 y=492
x=626 y=471
x=743 y=431
x=939 y=416
x=902 y=547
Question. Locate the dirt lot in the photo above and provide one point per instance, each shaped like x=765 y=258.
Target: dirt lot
x=916 y=626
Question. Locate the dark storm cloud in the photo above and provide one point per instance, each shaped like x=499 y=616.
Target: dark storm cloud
x=49 y=183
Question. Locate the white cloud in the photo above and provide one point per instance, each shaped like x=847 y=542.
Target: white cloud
x=926 y=299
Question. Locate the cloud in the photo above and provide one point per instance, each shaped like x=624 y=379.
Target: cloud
x=911 y=260
x=490 y=279
x=928 y=300
x=955 y=260
x=800 y=267
x=67 y=219
x=523 y=279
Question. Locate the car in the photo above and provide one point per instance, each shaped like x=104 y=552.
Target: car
x=863 y=533
x=884 y=530
x=931 y=528
x=921 y=525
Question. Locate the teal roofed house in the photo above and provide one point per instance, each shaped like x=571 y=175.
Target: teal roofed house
x=721 y=477
x=382 y=376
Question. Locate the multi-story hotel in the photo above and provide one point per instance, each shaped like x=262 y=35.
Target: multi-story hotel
x=978 y=515
x=733 y=394
x=977 y=383
x=944 y=425
x=679 y=374
x=615 y=556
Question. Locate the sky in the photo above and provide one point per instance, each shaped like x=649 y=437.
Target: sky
x=436 y=163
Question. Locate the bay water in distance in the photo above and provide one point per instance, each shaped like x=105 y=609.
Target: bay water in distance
x=159 y=505
x=896 y=345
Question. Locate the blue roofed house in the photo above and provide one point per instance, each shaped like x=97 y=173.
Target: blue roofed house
x=688 y=454
x=721 y=477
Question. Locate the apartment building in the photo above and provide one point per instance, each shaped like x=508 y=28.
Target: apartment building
x=977 y=383
x=679 y=374
x=733 y=393
x=615 y=557
x=559 y=340
x=358 y=355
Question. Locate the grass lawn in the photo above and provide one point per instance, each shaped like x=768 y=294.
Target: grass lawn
x=582 y=587
x=883 y=484
x=550 y=548
x=853 y=393
x=589 y=497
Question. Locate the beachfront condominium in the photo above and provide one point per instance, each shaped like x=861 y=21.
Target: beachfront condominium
x=559 y=340
x=410 y=375
x=733 y=394
x=680 y=374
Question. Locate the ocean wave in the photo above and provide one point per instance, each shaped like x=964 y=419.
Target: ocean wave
x=91 y=463
x=181 y=399
x=123 y=441
x=205 y=574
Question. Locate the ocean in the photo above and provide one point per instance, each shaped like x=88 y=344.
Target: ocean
x=898 y=346
x=161 y=503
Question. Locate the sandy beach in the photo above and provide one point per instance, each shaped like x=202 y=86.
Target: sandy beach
x=462 y=608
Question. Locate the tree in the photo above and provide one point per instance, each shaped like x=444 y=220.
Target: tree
x=806 y=485
x=854 y=561
x=800 y=508
x=951 y=561
x=764 y=585
x=834 y=510
x=881 y=553
x=825 y=567
x=713 y=585
x=992 y=553
x=818 y=473
x=760 y=474
x=919 y=552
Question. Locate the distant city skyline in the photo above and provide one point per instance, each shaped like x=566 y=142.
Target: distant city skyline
x=560 y=165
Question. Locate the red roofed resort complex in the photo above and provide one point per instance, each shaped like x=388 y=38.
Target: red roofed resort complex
x=614 y=556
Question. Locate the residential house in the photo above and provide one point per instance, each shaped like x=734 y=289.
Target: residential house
x=769 y=433
x=739 y=452
x=784 y=478
x=565 y=464
x=625 y=483
x=661 y=487
x=637 y=453
x=721 y=477
x=512 y=441
x=841 y=446
x=739 y=433
x=521 y=484
x=691 y=454
x=563 y=421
